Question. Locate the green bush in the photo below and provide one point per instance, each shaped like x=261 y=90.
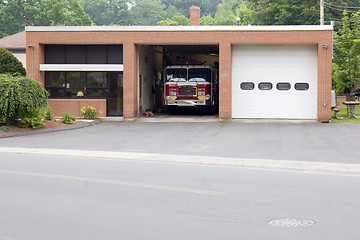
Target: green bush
x=48 y=115
x=19 y=97
x=4 y=128
x=67 y=118
x=10 y=64
x=34 y=119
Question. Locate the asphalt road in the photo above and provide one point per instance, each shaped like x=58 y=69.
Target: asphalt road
x=56 y=197
x=286 y=141
x=182 y=181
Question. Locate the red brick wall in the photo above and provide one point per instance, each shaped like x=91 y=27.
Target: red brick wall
x=74 y=106
x=225 y=39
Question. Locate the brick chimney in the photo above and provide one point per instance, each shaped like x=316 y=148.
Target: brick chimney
x=194 y=16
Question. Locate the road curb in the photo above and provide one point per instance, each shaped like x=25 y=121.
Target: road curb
x=49 y=130
x=216 y=161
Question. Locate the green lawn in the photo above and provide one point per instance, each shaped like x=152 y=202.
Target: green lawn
x=343 y=113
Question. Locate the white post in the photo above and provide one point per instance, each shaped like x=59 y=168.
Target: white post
x=321 y=12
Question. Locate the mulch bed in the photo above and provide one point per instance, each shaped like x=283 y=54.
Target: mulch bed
x=48 y=124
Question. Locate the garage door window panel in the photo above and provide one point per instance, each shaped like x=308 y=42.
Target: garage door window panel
x=247 y=86
x=283 y=86
x=302 y=86
x=265 y=86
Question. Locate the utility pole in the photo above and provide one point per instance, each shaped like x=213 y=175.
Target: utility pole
x=321 y=12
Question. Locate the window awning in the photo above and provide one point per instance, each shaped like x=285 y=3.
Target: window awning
x=82 y=67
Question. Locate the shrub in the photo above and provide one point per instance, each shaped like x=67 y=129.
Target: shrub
x=10 y=64
x=67 y=118
x=19 y=96
x=48 y=113
x=4 y=128
x=34 y=119
x=88 y=112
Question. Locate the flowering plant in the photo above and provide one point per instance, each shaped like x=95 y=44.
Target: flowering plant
x=88 y=112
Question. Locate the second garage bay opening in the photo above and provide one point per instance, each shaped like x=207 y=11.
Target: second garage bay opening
x=178 y=79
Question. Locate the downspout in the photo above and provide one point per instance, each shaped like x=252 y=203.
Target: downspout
x=325 y=46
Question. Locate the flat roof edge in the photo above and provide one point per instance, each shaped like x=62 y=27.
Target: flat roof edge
x=177 y=28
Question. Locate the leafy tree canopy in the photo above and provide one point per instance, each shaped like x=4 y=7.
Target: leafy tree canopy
x=10 y=64
x=108 y=12
x=346 y=63
x=175 y=21
x=16 y=14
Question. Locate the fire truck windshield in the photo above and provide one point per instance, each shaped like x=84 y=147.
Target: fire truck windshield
x=175 y=75
x=199 y=74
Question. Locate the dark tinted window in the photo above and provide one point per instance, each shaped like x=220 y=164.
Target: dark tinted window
x=69 y=84
x=96 y=79
x=56 y=92
x=55 y=79
x=96 y=54
x=115 y=54
x=76 y=54
x=54 y=54
x=265 y=86
x=302 y=86
x=83 y=54
x=247 y=86
x=283 y=86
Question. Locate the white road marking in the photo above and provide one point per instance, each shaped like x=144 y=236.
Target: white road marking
x=306 y=166
x=108 y=181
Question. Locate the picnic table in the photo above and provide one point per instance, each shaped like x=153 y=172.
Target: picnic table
x=350 y=107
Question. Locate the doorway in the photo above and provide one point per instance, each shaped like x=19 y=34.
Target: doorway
x=115 y=94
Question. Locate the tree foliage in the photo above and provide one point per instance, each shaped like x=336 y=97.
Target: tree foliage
x=175 y=21
x=284 y=12
x=10 y=64
x=16 y=14
x=346 y=63
x=148 y=12
x=19 y=97
x=108 y=12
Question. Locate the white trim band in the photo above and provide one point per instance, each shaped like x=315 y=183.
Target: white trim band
x=82 y=67
x=175 y=28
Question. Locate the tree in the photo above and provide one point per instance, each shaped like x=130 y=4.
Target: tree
x=183 y=6
x=346 y=63
x=283 y=12
x=226 y=13
x=16 y=14
x=12 y=17
x=56 y=13
x=148 y=12
x=175 y=21
x=19 y=97
x=10 y=64
x=108 y=12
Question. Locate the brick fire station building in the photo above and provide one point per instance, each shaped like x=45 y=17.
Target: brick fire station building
x=271 y=72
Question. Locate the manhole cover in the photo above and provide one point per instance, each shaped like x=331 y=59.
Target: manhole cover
x=291 y=222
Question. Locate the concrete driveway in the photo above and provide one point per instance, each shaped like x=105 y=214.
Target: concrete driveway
x=312 y=142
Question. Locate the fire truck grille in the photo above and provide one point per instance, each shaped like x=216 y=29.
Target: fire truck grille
x=187 y=91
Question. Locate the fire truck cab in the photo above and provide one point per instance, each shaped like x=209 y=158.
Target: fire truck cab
x=190 y=86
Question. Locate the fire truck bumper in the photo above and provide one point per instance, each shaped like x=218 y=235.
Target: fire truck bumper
x=186 y=102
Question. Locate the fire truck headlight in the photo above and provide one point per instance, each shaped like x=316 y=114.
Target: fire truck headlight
x=201 y=93
x=168 y=97
x=172 y=93
x=207 y=97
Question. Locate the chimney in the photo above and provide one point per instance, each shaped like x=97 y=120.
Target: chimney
x=194 y=16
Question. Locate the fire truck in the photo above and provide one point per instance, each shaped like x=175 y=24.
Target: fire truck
x=190 y=86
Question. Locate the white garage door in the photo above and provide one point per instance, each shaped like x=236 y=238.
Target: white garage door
x=274 y=81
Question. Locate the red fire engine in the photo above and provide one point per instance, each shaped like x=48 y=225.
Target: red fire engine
x=190 y=85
